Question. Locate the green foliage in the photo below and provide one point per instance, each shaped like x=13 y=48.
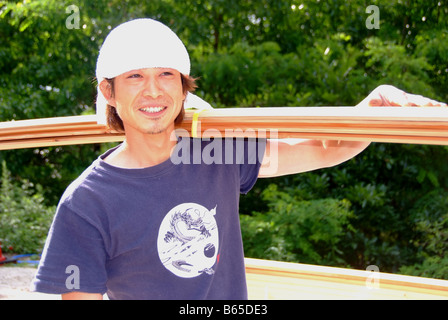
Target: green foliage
x=45 y=67
x=433 y=46
x=250 y=76
x=24 y=219
x=294 y=229
x=432 y=267
x=389 y=63
x=430 y=215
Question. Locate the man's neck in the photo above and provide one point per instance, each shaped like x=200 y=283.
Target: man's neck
x=143 y=150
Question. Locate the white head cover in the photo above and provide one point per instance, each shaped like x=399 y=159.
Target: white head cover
x=139 y=44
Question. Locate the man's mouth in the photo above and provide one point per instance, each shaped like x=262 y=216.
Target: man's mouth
x=152 y=110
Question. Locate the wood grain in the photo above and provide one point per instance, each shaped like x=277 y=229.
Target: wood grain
x=285 y=281
x=413 y=125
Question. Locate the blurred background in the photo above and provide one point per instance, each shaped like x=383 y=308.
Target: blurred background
x=386 y=207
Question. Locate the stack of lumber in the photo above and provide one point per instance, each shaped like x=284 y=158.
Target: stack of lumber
x=426 y=125
x=272 y=280
x=59 y=131
x=415 y=125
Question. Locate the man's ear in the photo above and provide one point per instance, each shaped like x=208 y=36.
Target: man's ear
x=106 y=90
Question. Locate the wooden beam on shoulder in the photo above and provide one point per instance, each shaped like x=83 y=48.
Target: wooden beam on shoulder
x=412 y=125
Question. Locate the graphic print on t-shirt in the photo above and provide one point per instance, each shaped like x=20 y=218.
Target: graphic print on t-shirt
x=188 y=240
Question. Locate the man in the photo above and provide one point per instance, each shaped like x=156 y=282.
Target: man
x=135 y=225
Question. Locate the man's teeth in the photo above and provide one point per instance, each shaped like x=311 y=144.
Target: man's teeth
x=152 y=109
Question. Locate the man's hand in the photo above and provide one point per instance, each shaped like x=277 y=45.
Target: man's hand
x=389 y=96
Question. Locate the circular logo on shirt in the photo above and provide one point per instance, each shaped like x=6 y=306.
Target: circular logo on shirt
x=188 y=240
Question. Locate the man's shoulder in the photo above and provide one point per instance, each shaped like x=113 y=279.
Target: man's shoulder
x=86 y=183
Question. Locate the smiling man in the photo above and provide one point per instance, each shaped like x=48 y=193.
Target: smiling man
x=136 y=225
x=148 y=101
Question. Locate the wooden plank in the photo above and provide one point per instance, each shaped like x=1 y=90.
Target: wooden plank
x=58 y=131
x=282 y=280
x=426 y=125
x=31 y=124
x=59 y=141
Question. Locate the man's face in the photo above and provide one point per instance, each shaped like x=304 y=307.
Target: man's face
x=148 y=100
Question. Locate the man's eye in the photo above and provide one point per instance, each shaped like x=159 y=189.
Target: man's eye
x=134 y=76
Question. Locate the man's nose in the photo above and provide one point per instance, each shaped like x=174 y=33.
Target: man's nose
x=152 y=89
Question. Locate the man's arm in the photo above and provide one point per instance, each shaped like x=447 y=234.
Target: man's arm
x=283 y=158
x=82 y=296
x=307 y=155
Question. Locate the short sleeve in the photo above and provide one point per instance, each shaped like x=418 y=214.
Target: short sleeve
x=74 y=258
x=249 y=168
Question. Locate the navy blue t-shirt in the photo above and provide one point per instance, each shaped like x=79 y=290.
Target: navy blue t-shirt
x=169 y=231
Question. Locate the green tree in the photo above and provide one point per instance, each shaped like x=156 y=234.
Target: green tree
x=24 y=218
x=294 y=229
x=430 y=215
x=47 y=70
